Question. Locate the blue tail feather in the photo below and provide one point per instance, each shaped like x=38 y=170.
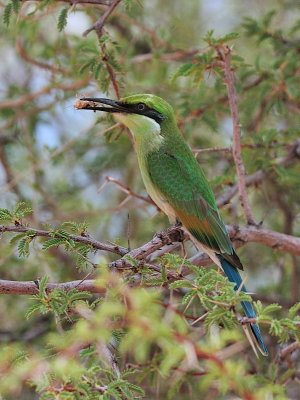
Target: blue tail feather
x=234 y=276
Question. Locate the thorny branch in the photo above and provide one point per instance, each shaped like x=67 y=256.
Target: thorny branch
x=20 y=101
x=228 y=150
x=110 y=69
x=289 y=349
x=127 y=190
x=43 y=65
x=79 y=239
x=258 y=176
x=225 y=55
x=32 y=287
x=93 y=2
x=240 y=235
x=98 y=26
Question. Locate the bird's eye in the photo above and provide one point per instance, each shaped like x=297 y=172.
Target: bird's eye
x=141 y=106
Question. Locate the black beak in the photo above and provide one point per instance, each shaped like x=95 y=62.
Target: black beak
x=113 y=106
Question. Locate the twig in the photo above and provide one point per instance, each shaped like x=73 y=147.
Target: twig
x=223 y=99
x=178 y=55
x=167 y=238
x=80 y=239
x=252 y=146
x=128 y=191
x=20 y=101
x=22 y=53
x=98 y=26
x=225 y=55
x=252 y=234
x=94 y=2
x=247 y=320
x=275 y=240
x=289 y=349
x=110 y=70
x=260 y=175
x=230 y=351
x=240 y=235
x=30 y=287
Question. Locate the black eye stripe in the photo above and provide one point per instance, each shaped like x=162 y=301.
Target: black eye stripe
x=143 y=109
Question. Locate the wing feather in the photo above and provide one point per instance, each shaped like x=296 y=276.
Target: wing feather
x=182 y=183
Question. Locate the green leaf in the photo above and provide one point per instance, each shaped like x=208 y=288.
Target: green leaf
x=220 y=316
x=5 y=216
x=151 y=281
x=62 y=19
x=32 y=310
x=188 y=297
x=227 y=38
x=43 y=284
x=181 y=284
x=75 y=227
x=132 y=261
x=17 y=237
x=53 y=242
x=7 y=13
x=114 y=392
x=294 y=310
x=90 y=64
x=128 y=4
x=276 y=328
x=75 y=295
x=98 y=70
x=23 y=246
x=212 y=41
x=16 y=4
x=21 y=210
x=271 y=308
x=183 y=70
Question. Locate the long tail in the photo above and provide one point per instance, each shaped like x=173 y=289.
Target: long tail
x=234 y=276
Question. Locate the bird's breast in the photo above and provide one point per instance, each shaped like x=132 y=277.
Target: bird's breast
x=152 y=190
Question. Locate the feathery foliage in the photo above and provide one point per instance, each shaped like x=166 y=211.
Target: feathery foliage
x=150 y=323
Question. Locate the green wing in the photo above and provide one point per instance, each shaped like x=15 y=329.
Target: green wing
x=179 y=178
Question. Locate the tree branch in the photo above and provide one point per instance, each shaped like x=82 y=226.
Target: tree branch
x=20 y=101
x=260 y=175
x=275 y=240
x=111 y=248
x=109 y=68
x=98 y=26
x=289 y=349
x=228 y=150
x=31 y=287
x=22 y=53
x=128 y=191
x=240 y=235
x=167 y=238
x=75 y=2
x=225 y=54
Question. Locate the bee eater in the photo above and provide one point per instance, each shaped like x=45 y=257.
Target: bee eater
x=176 y=183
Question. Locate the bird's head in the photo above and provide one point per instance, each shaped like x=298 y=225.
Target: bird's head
x=143 y=114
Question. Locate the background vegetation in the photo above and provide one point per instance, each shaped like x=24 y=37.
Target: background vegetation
x=97 y=320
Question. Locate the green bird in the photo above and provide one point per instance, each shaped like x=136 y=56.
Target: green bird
x=176 y=183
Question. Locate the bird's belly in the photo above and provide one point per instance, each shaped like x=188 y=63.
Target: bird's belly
x=155 y=194
x=159 y=199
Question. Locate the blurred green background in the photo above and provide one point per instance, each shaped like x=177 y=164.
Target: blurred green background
x=58 y=159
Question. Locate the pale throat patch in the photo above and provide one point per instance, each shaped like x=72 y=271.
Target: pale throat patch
x=146 y=131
